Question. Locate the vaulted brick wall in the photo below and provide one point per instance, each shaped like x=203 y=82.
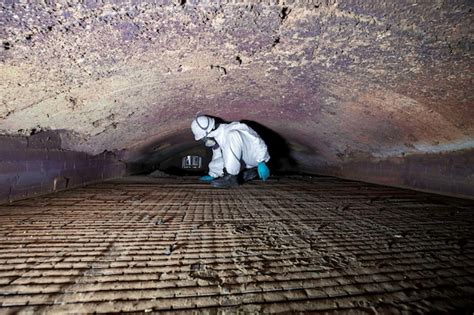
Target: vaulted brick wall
x=372 y=90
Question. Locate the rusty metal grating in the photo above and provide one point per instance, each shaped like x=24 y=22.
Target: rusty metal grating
x=291 y=244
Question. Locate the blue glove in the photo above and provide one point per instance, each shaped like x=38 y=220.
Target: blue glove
x=206 y=178
x=263 y=171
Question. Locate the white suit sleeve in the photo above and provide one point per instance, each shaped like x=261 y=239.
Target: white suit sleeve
x=216 y=166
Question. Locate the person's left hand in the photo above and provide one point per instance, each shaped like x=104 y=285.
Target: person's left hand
x=206 y=178
x=263 y=171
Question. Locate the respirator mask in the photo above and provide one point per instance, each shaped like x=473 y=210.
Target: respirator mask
x=209 y=142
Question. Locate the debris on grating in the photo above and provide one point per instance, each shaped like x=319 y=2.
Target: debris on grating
x=196 y=267
x=243 y=228
x=158 y=174
x=203 y=272
x=169 y=249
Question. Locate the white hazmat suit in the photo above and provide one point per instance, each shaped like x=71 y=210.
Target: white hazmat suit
x=237 y=143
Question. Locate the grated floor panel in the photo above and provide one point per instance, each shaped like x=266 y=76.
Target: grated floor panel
x=290 y=244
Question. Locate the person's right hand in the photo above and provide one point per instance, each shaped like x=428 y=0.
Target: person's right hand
x=206 y=178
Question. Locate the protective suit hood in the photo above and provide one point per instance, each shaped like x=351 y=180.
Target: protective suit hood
x=202 y=126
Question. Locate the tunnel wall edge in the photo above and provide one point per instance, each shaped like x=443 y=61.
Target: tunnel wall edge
x=449 y=174
x=36 y=165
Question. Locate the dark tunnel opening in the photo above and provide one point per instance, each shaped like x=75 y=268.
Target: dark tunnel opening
x=281 y=161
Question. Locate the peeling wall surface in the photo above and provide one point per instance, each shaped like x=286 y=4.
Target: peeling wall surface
x=357 y=89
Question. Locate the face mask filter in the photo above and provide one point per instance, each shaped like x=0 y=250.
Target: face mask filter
x=209 y=142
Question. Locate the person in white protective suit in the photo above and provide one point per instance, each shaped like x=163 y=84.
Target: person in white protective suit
x=234 y=146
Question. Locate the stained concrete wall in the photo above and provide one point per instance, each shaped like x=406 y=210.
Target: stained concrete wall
x=35 y=165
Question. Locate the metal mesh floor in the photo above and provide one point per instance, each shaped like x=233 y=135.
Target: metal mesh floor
x=290 y=244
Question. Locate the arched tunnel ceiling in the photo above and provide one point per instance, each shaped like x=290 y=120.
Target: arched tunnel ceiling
x=339 y=80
